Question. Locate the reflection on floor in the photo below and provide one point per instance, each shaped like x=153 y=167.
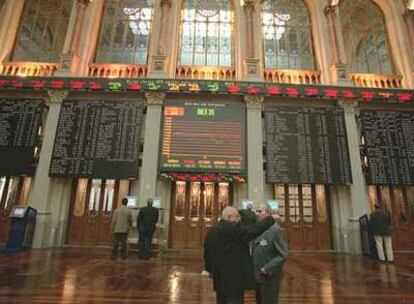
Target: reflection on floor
x=76 y=275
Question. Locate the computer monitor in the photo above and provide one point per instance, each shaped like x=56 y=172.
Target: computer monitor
x=245 y=203
x=18 y=211
x=273 y=204
x=132 y=201
x=156 y=202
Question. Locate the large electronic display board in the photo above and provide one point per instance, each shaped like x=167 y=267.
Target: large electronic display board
x=98 y=139
x=202 y=137
x=20 y=120
x=388 y=147
x=306 y=145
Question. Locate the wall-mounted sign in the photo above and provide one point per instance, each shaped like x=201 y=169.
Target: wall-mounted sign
x=388 y=147
x=203 y=137
x=98 y=139
x=306 y=146
x=20 y=120
x=208 y=86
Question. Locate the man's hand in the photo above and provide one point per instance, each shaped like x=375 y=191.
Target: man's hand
x=276 y=216
x=263 y=271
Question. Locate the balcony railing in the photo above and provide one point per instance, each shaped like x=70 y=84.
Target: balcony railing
x=376 y=80
x=24 y=69
x=292 y=76
x=199 y=72
x=111 y=70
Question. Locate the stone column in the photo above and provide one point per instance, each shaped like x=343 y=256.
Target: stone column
x=409 y=19
x=89 y=36
x=251 y=62
x=158 y=59
x=41 y=193
x=69 y=59
x=9 y=26
x=339 y=66
x=255 y=172
x=358 y=198
x=149 y=170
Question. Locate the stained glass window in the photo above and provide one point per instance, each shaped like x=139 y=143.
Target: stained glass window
x=43 y=30
x=125 y=32
x=365 y=37
x=207 y=33
x=287 y=41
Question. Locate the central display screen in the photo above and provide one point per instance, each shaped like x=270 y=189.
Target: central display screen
x=203 y=137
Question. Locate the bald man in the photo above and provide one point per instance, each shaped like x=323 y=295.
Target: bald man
x=227 y=256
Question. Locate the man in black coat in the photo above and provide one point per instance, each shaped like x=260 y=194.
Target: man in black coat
x=227 y=256
x=146 y=222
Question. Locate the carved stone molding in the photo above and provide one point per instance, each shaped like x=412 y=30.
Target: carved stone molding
x=249 y=4
x=166 y=2
x=155 y=98
x=56 y=97
x=330 y=9
x=254 y=102
x=349 y=106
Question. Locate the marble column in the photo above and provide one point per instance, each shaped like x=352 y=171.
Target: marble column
x=149 y=170
x=251 y=62
x=9 y=26
x=159 y=58
x=358 y=203
x=255 y=172
x=339 y=66
x=69 y=59
x=42 y=188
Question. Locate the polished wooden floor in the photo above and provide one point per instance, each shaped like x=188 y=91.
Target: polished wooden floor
x=75 y=275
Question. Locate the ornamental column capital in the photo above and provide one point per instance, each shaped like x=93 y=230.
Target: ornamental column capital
x=155 y=98
x=57 y=96
x=249 y=4
x=349 y=106
x=254 y=102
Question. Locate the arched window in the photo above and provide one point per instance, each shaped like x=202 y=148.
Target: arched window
x=42 y=31
x=206 y=33
x=365 y=37
x=125 y=32
x=287 y=41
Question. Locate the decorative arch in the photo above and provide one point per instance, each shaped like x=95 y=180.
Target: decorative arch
x=125 y=32
x=207 y=33
x=42 y=31
x=287 y=38
x=364 y=31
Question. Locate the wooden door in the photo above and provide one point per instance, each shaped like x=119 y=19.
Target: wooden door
x=13 y=191
x=305 y=216
x=195 y=207
x=92 y=206
x=398 y=202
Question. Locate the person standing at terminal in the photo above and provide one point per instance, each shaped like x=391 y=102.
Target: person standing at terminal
x=380 y=223
x=121 y=221
x=227 y=257
x=269 y=254
x=146 y=222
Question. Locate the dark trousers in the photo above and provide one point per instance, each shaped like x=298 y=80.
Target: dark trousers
x=144 y=244
x=229 y=298
x=120 y=238
x=268 y=292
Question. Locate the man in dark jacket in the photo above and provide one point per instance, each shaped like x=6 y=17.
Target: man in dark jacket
x=146 y=222
x=248 y=216
x=381 y=229
x=227 y=257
